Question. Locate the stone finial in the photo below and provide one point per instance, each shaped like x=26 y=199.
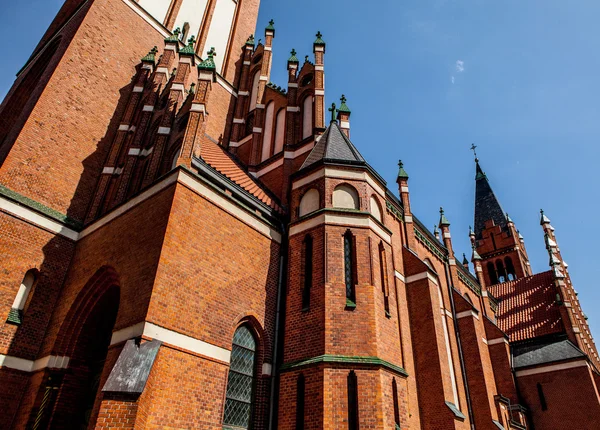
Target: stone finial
x=319 y=41
x=543 y=218
x=189 y=49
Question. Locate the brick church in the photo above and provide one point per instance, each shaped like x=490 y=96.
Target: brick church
x=185 y=244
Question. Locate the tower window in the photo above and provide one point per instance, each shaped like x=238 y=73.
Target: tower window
x=300 y=394
x=395 y=400
x=510 y=269
x=350 y=267
x=240 y=383
x=307 y=251
x=492 y=273
x=501 y=272
x=352 y=401
x=15 y=315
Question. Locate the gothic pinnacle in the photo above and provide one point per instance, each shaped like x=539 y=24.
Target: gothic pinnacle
x=343 y=106
x=293 y=58
x=401 y=172
x=209 y=62
x=151 y=56
x=189 y=49
x=443 y=220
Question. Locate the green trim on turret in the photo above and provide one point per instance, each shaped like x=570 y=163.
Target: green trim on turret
x=319 y=41
x=344 y=359
x=189 y=49
x=250 y=40
x=209 y=63
x=151 y=56
x=293 y=58
x=343 y=106
x=174 y=38
x=443 y=220
x=15 y=316
x=401 y=172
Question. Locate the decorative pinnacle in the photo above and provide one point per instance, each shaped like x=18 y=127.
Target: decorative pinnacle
x=306 y=59
x=543 y=218
x=471 y=232
x=343 y=106
x=475 y=255
x=465 y=262
x=293 y=58
x=319 y=41
x=189 y=49
x=473 y=148
x=401 y=172
x=250 y=40
x=209 y=62
x=443 y=220
x=151 y=56
x=175 y=36
x=271 y=27
x=508 y=219
x=333 y=110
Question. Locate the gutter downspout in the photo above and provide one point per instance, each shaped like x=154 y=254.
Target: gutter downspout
x=459 y=345
x=280 y=284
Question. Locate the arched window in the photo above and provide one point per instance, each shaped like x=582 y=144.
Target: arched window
x=307 y=272
x=510 y=269
x=352 y=401
x=300 y=395
x=307 y=117
x=279 y=131
x=309 y=202
x=350 y=268
x=254 y=93
x=345 y=196
x=396 y=407
x=240 y=382
x=375 y=208
x=501 y=272
x=492 y=273
x=384 y=279
x=16 y=313
x=268 y=131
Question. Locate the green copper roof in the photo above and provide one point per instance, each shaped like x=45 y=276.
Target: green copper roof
x=343 y=106
x=319 y=41
x=333 y=110
x=151 y=56
x=250 y=40
x=15 y=316
x=174 y=38
x=293 y=58
x=209 y=62
x=401 y=172
x=271 y=26
x=189 y=49
x=443 y=219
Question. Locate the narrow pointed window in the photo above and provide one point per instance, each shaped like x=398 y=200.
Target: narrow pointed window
x=492 y=273
x=384 y=279
x=300 y=394
x=240 y=383
x=350 y=268
x=501 y=272
x=307 y=251
x=396 y=407
x=352 y=401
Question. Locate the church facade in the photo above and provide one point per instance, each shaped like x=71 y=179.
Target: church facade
x=188 y=245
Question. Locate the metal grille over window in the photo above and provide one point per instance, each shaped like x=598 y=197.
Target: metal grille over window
x=238 y=403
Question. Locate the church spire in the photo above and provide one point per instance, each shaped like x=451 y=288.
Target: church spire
x=487 y=206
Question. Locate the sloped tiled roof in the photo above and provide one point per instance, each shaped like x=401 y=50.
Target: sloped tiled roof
x=217 y=158
x=528 y=307
x=333 y=146
x=533 y=354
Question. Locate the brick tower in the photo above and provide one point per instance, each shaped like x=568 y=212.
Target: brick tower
x=186 y=244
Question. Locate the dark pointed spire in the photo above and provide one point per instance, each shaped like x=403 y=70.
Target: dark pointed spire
x=475 y=255
x=487 y=206
x=465 y=262
x=334 y=145
x=543 y=218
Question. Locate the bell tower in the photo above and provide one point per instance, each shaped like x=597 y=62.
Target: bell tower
x=496 y=238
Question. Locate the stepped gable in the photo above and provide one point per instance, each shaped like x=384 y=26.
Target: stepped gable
x=528 y=307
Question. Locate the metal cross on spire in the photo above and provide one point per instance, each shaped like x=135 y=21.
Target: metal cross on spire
x=474 y=149
x=333 y=111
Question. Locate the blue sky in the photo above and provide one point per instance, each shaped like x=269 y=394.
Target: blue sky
x=425 y=79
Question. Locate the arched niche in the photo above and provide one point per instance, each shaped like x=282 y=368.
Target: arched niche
x=309 y=202
x=375 y=208
x=346 y=197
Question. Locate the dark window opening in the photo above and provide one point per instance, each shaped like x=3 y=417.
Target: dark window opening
x=396 y=408
x=306 y=80
x=307 y=260
x=510 y=269
x=543 y=403
x=300 y=394
x=384 y=279
x=492 y=273
x=501 y=272
x=352 y=401
x=350 y=267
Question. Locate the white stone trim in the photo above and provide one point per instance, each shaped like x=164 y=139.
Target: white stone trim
x=171 y=46
x=484 y=293
x=269 y=168
x=447 y=235
x=268 y=48
x=123 y=127
x=138 y=89
x=293 y=154
x=359 y=220
x=404 y=189
x=244 y=93
x=420 y=276
x=551 y=368
x=292 y=85
x=173 y=338
x=399 y=276
x=108 y=170
x=448 y=313
x=259 y=106
x=185 y=60
x=146 y=152
x=332 y=172
x=148 y=67
x=467 y=314
x=293 y=108
x=246 y=63
x=267 y=369
x=226 y=86
x=148 y=108
x=408 y=218
x=247 y=217
x=241 y=142
x=319 y=49
x=178 y=87
x=319 y=68
x=497 y=341
x=452 y=262
x=257 y=130
x=37 y=219
x=50 y=361
x=239 y=121
x=344 y=124
x=319 y=92
x=484 y=340
x=163 y=70
x=164 y=130
x=263 y=78
x=198 y=107
x=203 y=75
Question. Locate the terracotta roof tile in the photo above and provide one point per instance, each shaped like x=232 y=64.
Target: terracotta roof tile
x=528 y=307
x=216 y=157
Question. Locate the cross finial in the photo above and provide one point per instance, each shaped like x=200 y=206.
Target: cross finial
x=272 y=22
x=400 y=164
x=343 y=99
x=177 y=31
x=441 y=210
x=192 y=40
x=212 y=53
x=154 y=50
x=306 y=58
x=293 y=52
x=333 y=110
x=474 y=149
x=319 y=35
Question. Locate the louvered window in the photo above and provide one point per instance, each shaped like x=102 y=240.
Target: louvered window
x=240 y=384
